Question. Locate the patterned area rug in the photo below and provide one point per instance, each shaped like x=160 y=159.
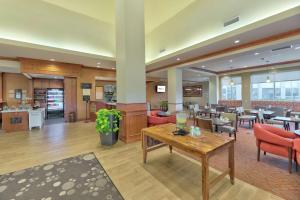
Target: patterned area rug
x=80 y=177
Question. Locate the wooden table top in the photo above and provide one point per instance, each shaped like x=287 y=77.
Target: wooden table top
x=204 y=144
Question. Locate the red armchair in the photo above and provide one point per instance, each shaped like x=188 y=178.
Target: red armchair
x=297 y=152
x=274 y=140
x=154 y=119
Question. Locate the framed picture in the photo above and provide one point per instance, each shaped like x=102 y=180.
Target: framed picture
x=18 y=93
x=192 y=91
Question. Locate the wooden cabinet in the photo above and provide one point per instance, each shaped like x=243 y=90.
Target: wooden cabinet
x=47 y=83
x=56 y=84
x=70 y=96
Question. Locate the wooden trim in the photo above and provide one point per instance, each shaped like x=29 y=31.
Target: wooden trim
x=9 y=58
x=254 y=43
x=131 y=107
x=100 y=68
x=260 y=66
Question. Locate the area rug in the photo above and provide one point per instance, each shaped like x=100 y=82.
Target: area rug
x=76 y=178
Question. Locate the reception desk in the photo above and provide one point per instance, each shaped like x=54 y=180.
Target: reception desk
x=13 y=121
x=22 y=120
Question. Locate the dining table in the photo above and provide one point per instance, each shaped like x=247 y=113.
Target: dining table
x=286 y=120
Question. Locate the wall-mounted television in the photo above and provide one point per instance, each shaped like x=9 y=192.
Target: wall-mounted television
x=160 y=88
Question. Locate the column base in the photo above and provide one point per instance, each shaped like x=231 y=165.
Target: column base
x=134 y=120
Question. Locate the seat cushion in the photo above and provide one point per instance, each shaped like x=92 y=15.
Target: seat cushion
x=274 y=149
x=227 y=129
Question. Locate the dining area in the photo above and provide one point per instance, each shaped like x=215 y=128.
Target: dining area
x=224 y=119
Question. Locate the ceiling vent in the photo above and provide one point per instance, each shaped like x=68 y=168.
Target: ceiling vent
x=282 y=48
x=162 y=50
x=232 y=21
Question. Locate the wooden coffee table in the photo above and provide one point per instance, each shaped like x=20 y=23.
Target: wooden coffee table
x=204 y=146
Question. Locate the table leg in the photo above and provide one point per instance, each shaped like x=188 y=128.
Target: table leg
x=205 y=178
x=170 y=148
x=231 y=162
x=144 y=148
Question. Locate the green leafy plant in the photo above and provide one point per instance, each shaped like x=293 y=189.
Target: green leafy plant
x=108 y=121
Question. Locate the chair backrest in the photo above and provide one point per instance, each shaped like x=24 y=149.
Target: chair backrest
x=221 y=109
x=278 y=111
x=214 y=106
x=205 y=124
x=260 y=116
x=232 y=117
x=240 y=110
x=260 y=107
x=196 y=107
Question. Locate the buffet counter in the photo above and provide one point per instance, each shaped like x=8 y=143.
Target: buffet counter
x=14 y=120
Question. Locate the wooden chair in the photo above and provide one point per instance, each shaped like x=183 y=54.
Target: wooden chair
x=231 y=130
x=205 y=124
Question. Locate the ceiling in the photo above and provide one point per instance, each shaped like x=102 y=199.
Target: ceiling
x=82 y=32
x=188 y=75
x=251 y=58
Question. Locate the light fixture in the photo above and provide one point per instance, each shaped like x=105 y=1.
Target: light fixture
x=268 y=80
x=98 y=66
x=113 y=68
x=256 y=53
x=297 y=48
x=178 y=59
x=98 y=63
x=203 y=66
x=236 y=41
x=52 y=59
x=231 y=61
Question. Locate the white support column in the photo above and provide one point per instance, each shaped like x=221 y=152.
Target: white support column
x=130 y=51
x=131 y=72
x=175 y=95
x=213 y=90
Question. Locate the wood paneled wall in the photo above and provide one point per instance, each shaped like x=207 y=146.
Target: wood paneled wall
x=34 y=66
x=70 y=96
x=12 y=81
x=47 y=83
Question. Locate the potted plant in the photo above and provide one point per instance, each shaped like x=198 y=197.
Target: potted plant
x=107 y=125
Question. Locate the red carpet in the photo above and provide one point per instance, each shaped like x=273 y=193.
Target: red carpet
x=270 y=174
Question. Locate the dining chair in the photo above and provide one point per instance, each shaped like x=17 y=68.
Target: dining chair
x=205 y=124
x=230 y=129
x=191 y=110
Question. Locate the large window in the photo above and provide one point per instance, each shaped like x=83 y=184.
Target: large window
x=279 y=86
x=231 y=88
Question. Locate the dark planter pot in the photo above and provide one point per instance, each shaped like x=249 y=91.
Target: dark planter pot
x=111 y=137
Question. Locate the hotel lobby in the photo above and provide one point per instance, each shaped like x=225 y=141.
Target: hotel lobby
x=149 y=100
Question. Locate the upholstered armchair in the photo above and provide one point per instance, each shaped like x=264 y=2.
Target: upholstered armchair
x=297 y=152
x=275 y=141
x=153 y=119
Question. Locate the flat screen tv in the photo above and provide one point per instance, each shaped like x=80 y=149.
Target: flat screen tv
x=160 y=88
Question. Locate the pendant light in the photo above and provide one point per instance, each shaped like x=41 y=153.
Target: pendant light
x=231 y=82
x=268 y=80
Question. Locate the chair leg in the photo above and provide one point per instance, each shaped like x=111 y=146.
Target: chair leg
x=265 y=153
x=290 y=160
x=234 y=135
x=258 y=150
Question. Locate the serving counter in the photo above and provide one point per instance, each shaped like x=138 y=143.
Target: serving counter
x=20 y=120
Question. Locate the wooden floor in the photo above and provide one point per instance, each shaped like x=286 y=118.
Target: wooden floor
x=165 y=176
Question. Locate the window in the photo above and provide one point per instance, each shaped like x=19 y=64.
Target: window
x=231 y=88
x=278 y=86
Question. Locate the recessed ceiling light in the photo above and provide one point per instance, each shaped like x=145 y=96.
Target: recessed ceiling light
x=52 y=59
x=256 y=53
x=98 y=66
x=236 y=41
x=203 y=66
x=98 y=63
x=297 y=48
x=246 y=66
x=55 y=76
x=230 y=60
x=113 y=68
x=178 y=59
